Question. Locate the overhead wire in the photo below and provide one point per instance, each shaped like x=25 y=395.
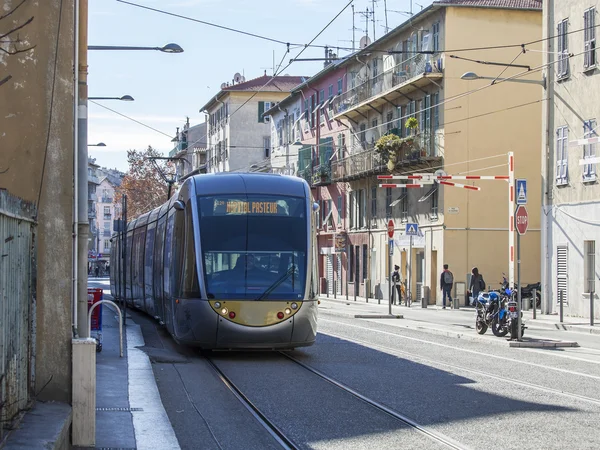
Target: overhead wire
x=276 y=73
x=279 y=41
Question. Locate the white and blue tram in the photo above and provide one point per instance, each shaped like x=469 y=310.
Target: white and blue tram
x=229 y=262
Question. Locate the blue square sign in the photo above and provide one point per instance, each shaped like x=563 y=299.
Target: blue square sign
x=412 y=229
x=521 y=188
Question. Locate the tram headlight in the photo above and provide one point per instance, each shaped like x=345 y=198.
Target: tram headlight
x=224 y=311
x=217 y=305
x=294 y=305
x=288 y=311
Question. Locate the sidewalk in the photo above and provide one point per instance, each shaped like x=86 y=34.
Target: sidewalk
x=416 y=312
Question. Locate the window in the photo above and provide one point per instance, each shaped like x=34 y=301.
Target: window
x=330 y=91
x=375 y=67
x=365 y=255
x=340 y=209
x=434 y=205
x=388 y=203
x=435 y=100
x=589 y=38
x=352 y=204
x=436 y=37
x=321 y=96
x=107 y=210
x=106 y=244
x=340 y=85
x=363 y=134
x=373 y=203
x=563 y=50
x=404 y=206
x=562 y=162
x=267 y=146
x=106 y=226
x=589 y=266
x=362 y=208
x=262 y=107
x=351 y=264
x=589 y=150
x=389 y=121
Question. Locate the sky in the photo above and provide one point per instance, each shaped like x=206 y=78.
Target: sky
x=167 y=88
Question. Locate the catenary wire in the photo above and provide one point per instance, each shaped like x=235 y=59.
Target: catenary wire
x=52 y=105
x=279 y=41
x=290 y=63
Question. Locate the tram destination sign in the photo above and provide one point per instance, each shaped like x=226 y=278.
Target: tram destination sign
x=246 y=207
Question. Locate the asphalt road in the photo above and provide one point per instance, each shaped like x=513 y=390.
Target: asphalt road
x=477 y=394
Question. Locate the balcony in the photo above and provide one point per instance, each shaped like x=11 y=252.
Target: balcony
x=107 y=216
x=106 y=200
x=400 y=81
x=106 y=233
x=369 y=162
x=91 y=214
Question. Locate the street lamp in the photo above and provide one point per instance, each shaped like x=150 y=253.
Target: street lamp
x=469 y=76
x=169 y=48
x=99 y=144
x=125 y=98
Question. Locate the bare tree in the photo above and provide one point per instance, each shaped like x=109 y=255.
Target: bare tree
x=11 y=43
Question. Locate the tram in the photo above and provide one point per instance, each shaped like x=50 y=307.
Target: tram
x=229 y=262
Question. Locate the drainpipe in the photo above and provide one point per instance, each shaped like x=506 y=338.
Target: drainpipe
x=81 y=172
x=75 y=178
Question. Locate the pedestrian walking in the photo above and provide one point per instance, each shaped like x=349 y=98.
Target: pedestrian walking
x=397 y=284
x=477 y=283
x=446 y=283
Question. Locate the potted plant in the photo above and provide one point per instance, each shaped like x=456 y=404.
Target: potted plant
x=388 y=148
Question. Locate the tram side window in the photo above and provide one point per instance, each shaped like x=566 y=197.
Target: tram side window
x=148 y=256
x=168 y=254
x=174 y=253
x=128 y=264
x=190 y=288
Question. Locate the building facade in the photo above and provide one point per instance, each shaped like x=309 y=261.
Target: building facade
x=571 y=208
x=238 y=132
x=189 y=152
x=106 y=213
x=285 y=135
x=408 y=74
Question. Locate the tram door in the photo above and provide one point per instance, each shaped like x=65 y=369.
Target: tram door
x=329 y=269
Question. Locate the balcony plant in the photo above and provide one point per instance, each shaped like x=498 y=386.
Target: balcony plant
x=322 y=173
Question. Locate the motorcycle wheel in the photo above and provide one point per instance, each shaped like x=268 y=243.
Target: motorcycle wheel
x=538 y=299
x=481 y=326
x=499 y=329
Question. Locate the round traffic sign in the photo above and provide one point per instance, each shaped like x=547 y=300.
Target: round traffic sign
x=391 y=228
x=521 y=219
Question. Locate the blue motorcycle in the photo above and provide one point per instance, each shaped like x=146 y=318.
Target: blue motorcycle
x=507 y=318
x=487 y=307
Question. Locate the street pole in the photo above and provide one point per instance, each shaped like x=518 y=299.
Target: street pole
x=519 y=287
x=82 y=175
x=390 y=272
x=124 y=259
x=592 y=308
x=408 y=299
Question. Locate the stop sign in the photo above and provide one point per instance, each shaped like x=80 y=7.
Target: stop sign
x=391 y=228
x=522 y=219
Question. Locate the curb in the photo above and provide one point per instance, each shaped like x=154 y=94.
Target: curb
x=542 y=344
x=378 y=316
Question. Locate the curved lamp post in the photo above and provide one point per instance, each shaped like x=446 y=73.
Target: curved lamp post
x=169 y=48
x=469 y=76
x=125 y=98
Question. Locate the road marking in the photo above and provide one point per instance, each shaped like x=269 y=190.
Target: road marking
x=394 y=351
x=503 y=358
x=151 y=426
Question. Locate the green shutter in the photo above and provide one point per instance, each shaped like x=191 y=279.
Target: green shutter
x=261 y=111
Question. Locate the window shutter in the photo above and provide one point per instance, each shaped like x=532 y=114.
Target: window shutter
x=261 y=111
x=562 y=277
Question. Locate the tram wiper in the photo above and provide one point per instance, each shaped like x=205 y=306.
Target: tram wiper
x=277 y=282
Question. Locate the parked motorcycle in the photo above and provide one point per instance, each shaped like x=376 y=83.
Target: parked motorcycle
x=507 y=318
x=487 y=305
x=527 y=292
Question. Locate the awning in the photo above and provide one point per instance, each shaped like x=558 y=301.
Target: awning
x=399 y=199
x=327 y=217
x=430 y=193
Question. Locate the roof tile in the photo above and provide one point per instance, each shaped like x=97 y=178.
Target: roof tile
x=509 y=4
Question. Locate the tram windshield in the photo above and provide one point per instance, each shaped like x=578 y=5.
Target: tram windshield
x=254 y=246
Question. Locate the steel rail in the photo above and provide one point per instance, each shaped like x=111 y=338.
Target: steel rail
x=445 y=440
x=271 y=428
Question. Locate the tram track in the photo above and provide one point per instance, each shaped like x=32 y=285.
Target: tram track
x=288 y=443
x=396 y=352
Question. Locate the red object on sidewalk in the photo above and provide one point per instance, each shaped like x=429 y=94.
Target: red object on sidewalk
x=94 y=296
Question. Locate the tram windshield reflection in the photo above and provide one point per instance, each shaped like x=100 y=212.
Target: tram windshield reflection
x=254 y=244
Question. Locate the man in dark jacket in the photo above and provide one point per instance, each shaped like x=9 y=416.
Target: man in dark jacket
x=396 y=281
x=446 y=282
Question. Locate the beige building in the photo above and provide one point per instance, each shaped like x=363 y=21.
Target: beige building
x=238 y=132
x=464 y=128
x=570 y=158
x=106 y=212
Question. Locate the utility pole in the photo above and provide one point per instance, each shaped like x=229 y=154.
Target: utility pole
x=374 y=38
x=387 y=29
x=82 y=175
x=353 y=28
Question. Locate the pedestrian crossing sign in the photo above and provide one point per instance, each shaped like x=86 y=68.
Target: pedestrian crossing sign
x=412 y=229
x=521 y=192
